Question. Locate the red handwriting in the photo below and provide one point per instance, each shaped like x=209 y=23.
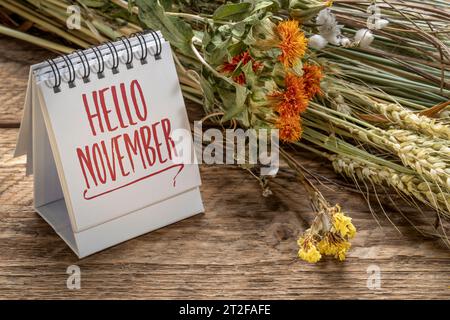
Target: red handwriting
x=180 y=167
x=123 y=154
x=101 y=111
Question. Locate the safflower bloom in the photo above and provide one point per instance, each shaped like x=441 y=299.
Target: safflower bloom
x=312 y=76
x=237 y=61
x=292 y=43
x=290 y=128
x=308 y=251
x=293 y=100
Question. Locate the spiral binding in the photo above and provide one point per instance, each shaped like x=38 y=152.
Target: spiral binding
x=86 y=68
x=83 y=59
x=100 y=62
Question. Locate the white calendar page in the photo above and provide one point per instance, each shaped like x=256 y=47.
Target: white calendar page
x=112 y=140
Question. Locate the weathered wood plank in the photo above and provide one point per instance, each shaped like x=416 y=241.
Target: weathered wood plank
x=15 y=60
x=244 y=246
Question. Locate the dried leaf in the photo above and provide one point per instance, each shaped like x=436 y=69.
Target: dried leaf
x=433 y=111
x=377 y=118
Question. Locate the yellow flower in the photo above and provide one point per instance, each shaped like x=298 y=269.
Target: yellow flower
x=343 y=224
x=308 y=251
x=341 y=250
x=292 y=43
x=334 y=245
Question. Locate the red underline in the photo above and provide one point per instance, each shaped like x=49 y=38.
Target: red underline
x=181 y=166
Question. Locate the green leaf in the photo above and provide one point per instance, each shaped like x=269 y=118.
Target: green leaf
x=207 y=89
x=263 y=30
x=297 y=69
x=238 y=30
x=236 y=48
x=268 y=5
x=94 y=3
x=259 y=95
x=232 y=11
x=234 y=102
x=250 y=75
x=278 y=73
x=208 y=93
x=216 y=49
x=167 y=4
x=298 y=4
x=284 y=4
x=174 y=30
x=241 y=95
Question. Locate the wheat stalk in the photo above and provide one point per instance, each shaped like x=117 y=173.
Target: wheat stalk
x=407 y=184
x=407 y=119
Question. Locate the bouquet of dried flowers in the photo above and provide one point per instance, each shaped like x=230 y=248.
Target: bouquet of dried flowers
x=368 y=95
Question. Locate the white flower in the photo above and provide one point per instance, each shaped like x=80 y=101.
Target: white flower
x=346 y=42
x=364 y=38
x=381 y=23
x=317 y=42
x=328 y=27
x=374 y=21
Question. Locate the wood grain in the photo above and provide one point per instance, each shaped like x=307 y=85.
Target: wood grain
x=243 y=246
x=15 y=60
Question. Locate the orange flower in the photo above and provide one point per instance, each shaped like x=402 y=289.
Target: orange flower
x=240 y=60
x=312 y=75
x=293 y=99
x=290 y=128
x=292 y=42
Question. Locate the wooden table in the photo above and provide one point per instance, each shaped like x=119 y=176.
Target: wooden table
x=243 y=246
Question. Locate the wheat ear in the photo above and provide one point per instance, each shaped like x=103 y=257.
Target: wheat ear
x=407 y=119
x=429 y=157
x=409 y=185
x=437 y=147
